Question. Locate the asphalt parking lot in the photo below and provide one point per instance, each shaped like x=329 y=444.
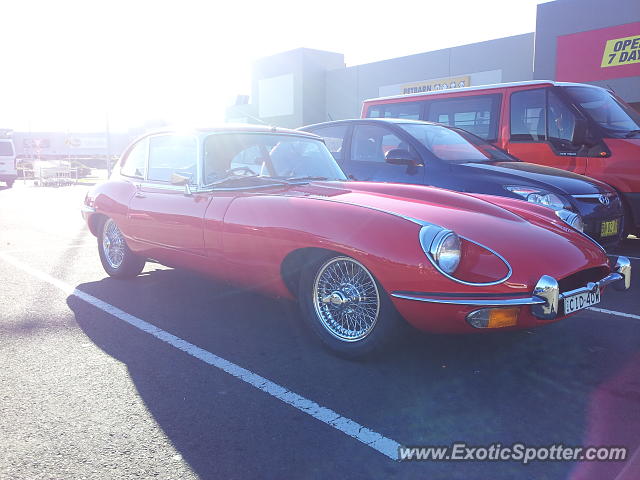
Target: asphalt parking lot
x=171 y=375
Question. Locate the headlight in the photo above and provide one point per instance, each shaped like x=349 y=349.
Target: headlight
x=443 y=246
x=539 y=197
x=572 y=219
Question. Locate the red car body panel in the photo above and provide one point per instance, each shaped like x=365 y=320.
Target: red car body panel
x=245 y=237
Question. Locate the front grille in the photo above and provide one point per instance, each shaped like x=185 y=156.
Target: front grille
x=581 y=278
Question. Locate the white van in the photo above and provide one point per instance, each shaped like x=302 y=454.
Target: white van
x=8 y=172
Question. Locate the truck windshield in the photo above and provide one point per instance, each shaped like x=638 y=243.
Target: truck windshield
x=454 y=146
x=617 y=118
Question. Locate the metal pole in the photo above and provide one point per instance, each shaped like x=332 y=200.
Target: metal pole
x=108 y=146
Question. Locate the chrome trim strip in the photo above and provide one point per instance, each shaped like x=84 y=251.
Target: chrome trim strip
x=622 y=274
x=507 y=302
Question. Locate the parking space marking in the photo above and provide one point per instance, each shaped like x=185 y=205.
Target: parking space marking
x=376 y=441
x=614 y=312
x=40 y=249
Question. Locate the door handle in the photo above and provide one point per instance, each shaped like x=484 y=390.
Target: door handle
x=139 y=193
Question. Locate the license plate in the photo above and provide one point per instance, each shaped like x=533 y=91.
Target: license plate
x=581 y=300
x=609 y=228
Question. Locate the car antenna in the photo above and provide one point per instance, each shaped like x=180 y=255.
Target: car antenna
x=330 y=117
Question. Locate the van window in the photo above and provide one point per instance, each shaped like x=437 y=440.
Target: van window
x=404 y=110
x=477 y=114
x=528 y=115
x=6 y=149
x=562 y=122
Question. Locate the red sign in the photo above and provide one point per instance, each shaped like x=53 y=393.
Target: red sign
x=599 y=54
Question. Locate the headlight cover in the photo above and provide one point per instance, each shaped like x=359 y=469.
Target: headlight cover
x=443 y=246
x=539 y=197
x=573 y=219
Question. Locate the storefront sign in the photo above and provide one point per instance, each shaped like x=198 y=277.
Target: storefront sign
x=436 y=84
x=602 y=54
x=621 y=51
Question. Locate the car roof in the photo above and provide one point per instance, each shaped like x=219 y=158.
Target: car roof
x=372 y=120
x=483 y=87
x=231 y=128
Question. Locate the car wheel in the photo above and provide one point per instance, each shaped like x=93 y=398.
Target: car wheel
x=346 y=307
x=118 y=261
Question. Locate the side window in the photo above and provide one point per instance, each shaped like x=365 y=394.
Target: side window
x=135 y=163
x=169 y=154
x=561 y=124
x=405 y=110
x=528 y=115
x=370 y=143
x=334 y=139
x=477 y=114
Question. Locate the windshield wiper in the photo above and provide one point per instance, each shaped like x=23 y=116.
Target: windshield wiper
x=309 y=178
x=631 y=133
x=238 y=178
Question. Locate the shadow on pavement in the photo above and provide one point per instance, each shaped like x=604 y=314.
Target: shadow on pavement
x=569 y=383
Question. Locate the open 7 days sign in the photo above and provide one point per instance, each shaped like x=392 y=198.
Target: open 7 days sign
x=621 y=51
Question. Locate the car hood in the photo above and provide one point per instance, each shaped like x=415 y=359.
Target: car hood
x=532 y=175
x=515 y=228
x=465 y=213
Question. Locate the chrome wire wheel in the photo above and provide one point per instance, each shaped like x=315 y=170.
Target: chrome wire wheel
x=346 y=299
x=113 y=245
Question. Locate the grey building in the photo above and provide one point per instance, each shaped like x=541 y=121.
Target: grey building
x=574 y=41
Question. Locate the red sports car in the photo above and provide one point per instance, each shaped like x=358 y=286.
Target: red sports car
x=270 y=209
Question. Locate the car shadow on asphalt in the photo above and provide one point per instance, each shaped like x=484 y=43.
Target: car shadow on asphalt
x=550 y=385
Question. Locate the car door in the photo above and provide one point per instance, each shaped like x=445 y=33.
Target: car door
x=368 y=147
x=542 y=126
x=165 y=216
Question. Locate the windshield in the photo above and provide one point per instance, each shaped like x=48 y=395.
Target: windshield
x=616 y=117
x=6 y=149
x=259 y=155
x=449 y=145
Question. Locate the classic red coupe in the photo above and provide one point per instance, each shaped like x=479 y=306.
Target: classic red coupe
x=269 y=209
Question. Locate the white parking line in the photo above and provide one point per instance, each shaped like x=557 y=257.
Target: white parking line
x=382 y=444
x=614 y=312
x=40 y=249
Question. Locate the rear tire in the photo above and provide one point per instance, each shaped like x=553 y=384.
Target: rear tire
x=117 y=260
x=346 y=307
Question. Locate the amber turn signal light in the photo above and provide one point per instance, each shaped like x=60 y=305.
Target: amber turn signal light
x=494 y=317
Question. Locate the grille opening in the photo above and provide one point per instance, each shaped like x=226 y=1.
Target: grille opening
x=581 y=278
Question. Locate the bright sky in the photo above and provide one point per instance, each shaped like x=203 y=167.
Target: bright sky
x=65 y=64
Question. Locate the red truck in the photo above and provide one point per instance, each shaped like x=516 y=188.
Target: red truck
x=577 y=127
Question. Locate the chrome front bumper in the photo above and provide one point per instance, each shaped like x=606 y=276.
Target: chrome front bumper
x=545 y=298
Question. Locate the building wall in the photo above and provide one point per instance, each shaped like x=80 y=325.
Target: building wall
x=567 y=31
x=565 y=17
x=502 y=60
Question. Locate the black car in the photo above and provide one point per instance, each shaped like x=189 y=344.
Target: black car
x=425 y=153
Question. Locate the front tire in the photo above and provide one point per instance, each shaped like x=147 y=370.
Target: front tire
x=117 y=260
x=346 y=307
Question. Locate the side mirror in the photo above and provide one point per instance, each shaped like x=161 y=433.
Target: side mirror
x=179 y=179
x=401 y=156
